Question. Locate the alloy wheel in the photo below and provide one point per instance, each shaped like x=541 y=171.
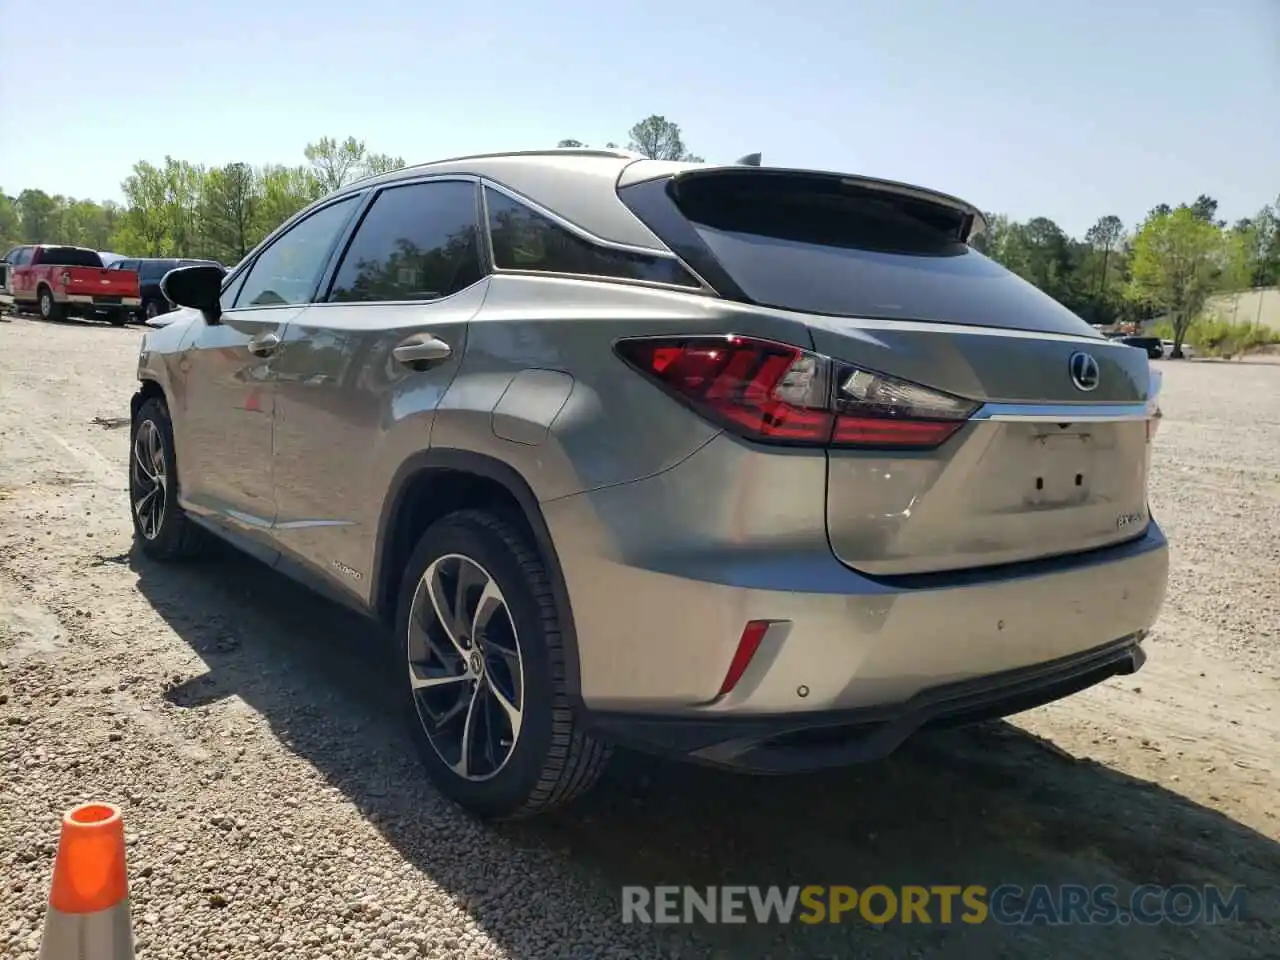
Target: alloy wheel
x=465 y=667
x=149 y=480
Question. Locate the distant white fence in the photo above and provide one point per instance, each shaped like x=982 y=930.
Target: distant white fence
x=1258 y=306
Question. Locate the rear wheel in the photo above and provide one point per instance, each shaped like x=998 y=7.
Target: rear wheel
x=49 y=308
x=160 y=526
x=485 y=678
x=151 y=310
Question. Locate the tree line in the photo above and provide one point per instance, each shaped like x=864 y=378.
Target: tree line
x=1166 y=266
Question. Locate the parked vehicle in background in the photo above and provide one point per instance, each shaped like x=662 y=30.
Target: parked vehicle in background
x=151 y=271
x=1188 y=351
x=61 y=281
x=756 y=467
x=6 y=299
x=1152 y=345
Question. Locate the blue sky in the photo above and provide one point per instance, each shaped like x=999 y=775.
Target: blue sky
x=1069 y=110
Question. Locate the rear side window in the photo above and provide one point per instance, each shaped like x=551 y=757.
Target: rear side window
x=69 y=257
x=524 y=239
x=154 y=270
x=822 y=244
x=417 y=242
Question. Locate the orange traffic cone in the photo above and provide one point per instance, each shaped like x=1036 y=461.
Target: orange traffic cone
x=88 y=917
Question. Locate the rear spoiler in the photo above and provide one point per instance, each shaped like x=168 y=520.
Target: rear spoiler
x=973 y=221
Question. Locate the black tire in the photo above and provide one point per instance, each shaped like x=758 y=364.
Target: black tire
x=176 y=536
x=553 y=760
x=49 y=308
x=151 y=309
x=117 y=318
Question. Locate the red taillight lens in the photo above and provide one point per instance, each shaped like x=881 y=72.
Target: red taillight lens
x=757 y=388
x=777 y=393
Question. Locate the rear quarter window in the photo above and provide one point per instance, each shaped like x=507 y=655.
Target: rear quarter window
x=526 y=240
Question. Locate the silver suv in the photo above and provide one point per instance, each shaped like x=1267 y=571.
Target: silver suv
x=761 y=468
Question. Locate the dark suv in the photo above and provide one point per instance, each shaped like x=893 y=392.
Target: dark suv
x=1153 y=345
x=151 y=271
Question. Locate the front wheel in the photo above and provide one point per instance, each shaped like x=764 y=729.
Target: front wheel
x=485 y=678
x=160 y=526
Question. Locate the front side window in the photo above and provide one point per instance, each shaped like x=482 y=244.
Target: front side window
x=524 y=239
x=417 y=242
x=287 y=271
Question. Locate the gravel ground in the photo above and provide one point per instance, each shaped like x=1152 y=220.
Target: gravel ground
x=274 y=808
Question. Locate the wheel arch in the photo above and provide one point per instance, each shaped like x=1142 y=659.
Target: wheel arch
x=147 y=389
x=434 y=483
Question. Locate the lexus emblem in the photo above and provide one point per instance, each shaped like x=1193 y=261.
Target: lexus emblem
x=1084 y=371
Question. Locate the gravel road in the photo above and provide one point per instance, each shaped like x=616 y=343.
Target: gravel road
x=274 y=808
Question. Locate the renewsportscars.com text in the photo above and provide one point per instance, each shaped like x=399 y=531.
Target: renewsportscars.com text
x=1006 y=904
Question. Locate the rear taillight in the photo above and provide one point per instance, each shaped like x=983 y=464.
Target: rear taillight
x=776 y=393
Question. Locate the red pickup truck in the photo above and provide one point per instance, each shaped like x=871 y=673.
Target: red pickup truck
x=62 y=281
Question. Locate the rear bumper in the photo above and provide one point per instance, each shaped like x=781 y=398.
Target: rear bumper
x=790 y=742
x=102 y=303
x=663 y=576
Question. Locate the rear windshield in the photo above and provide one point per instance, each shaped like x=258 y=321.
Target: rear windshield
x=69 y=257
x=822 y=244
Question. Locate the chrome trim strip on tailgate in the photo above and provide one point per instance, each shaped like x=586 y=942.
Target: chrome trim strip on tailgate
x=1065 y=412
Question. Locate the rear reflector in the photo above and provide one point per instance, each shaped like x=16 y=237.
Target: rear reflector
x=752 y=634
x=777 y=393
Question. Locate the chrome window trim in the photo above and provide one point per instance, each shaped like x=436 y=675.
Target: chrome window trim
x=595 y=278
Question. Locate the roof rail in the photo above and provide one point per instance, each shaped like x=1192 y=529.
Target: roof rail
x=545 y=152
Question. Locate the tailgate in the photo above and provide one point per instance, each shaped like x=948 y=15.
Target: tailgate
x=1053 y=459
x=100 y=282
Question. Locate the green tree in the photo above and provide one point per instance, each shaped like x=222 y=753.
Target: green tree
x=10 y=223
x=143 y=229
x=1104 y=236
x=377 y=163
x=228 y=206
x=659 y=139
x=285 y=191
x=1259 y=236
x=38 y=213
x=335 y=164
x=1179 y=260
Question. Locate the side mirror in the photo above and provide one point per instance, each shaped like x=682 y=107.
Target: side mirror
x=197 y=286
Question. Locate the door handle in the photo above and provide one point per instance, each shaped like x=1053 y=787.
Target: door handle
x=420 y=351
x=264 y=346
